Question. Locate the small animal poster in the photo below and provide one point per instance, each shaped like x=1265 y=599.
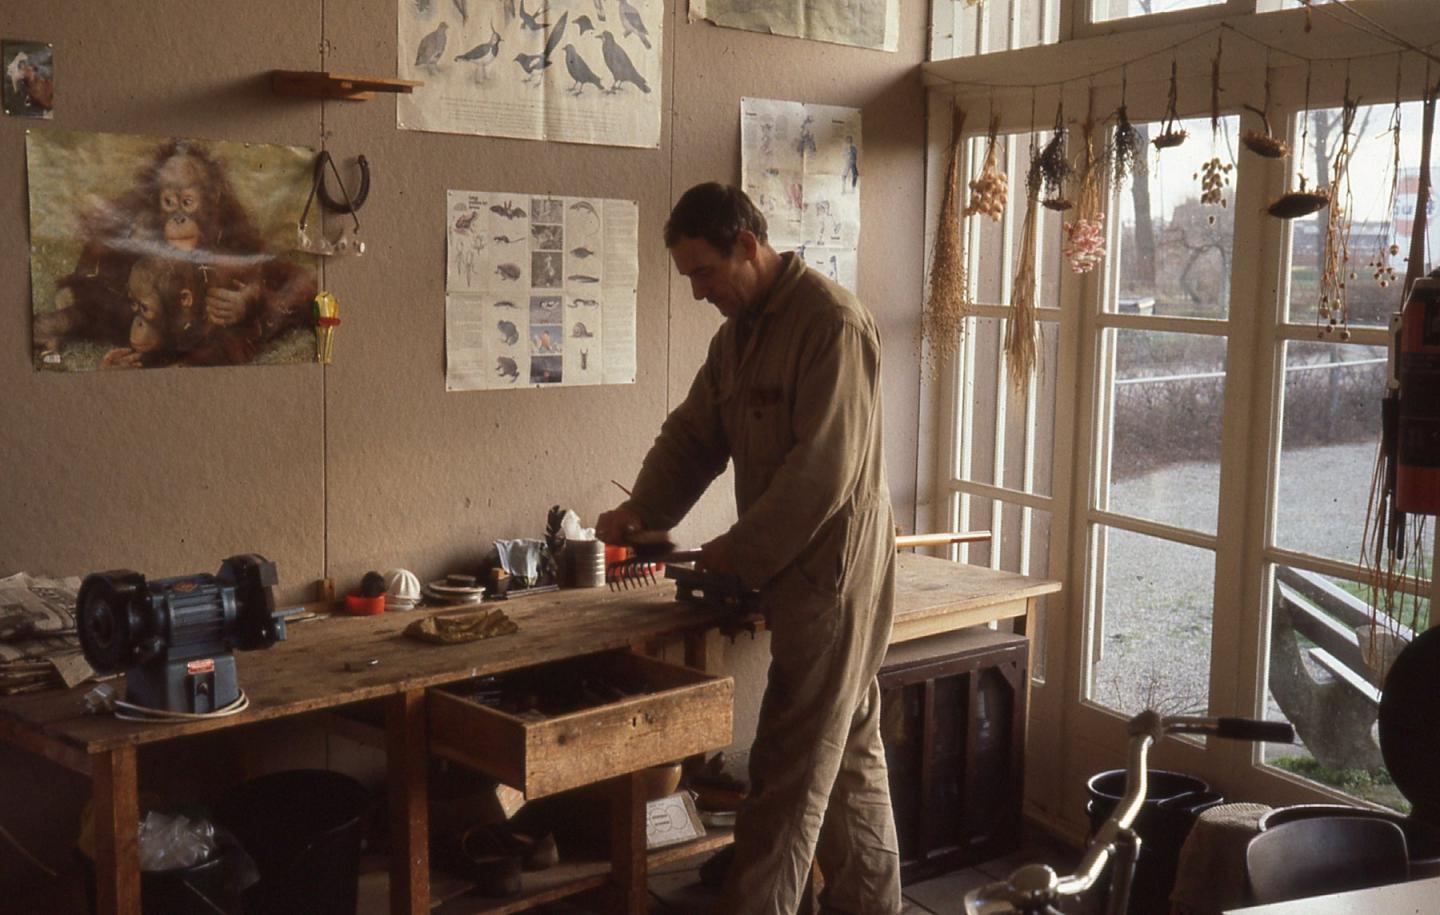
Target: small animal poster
x=579 y=71
x=801 y=165
x=156 y=251
x=29 y=90
x=540 y=290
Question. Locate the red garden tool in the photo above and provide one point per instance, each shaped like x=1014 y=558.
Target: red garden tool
x=648 y=551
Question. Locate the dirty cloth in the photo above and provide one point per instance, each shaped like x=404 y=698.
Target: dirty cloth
x=791 y=392
x=455 y=628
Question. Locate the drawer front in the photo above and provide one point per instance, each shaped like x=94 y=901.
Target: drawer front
x=686 y=713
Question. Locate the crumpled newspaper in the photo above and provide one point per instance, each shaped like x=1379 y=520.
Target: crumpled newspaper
x=455 y=628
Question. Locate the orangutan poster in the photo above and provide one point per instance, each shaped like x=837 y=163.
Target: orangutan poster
x=149 y=252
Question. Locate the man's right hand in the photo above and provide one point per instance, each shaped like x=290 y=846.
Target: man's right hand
x=616 y=525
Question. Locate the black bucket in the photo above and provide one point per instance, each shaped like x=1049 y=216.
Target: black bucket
x=1171 y=805
x=303 y=828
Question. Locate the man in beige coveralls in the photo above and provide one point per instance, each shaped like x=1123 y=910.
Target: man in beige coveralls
x=790 y=391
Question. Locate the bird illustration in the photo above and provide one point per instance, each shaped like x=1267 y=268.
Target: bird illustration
x=630 y=21
x=483 y=54
x=509 y=11
x=580 y=71
x=431 y=47
x=422 y=6
x=619 y=65
x=584 y=24
x=532 y=64
x=600 y=9
x=464 y=11
x=532 y=21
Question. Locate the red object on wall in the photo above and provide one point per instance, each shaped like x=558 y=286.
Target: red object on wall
x=1417 y=481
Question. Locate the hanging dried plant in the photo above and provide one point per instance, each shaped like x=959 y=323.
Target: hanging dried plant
x=990 y=192
x=1126 y=153
x=1302 y=202
x=1020 y=329
x=1265 y=144
x=1055 y=164
x=1085 y=237
x=1295 y=204
x=1171 y=133
x=1381 y=270
x=1333 y=313
x=943 y=319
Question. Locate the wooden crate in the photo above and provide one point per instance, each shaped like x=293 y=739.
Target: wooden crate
x=953 y=719
x=675 y=712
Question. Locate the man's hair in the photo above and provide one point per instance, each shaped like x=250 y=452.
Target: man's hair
x=716 y=213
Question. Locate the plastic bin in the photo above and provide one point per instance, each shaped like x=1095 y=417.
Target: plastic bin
x=303 y=828
x=182 y=891
x=1173 y=802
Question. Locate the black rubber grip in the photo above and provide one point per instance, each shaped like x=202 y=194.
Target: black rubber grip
x=1249 y=729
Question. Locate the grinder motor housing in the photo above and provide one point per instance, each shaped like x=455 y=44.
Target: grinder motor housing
x=174 y=637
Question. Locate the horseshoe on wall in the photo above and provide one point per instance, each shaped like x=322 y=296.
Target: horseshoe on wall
x=350 y=204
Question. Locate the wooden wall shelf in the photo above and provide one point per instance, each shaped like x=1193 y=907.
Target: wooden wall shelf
x=346 y=86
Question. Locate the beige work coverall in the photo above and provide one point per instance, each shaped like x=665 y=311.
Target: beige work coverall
x=791 y=392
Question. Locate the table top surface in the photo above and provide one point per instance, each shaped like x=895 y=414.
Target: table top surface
x=307 y=672
x=1418 y=897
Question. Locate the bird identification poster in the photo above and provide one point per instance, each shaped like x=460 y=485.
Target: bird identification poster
x=540 y=291
x=862 y=23
x=579 y=71
x=801 y=165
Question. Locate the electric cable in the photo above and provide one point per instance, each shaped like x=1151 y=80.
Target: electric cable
x=146 y=714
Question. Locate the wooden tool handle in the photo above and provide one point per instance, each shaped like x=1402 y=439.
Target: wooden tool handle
x=906 y=541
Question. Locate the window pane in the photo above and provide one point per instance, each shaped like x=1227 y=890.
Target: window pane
x=1379 y=220
x=981 y=395
x=961 y=28
x=1328 y=442
x=1165 y=408
x=1152 y=648
x=1327 y=661
x=1119 y=9
x=1175 y=251
x=1032 y=441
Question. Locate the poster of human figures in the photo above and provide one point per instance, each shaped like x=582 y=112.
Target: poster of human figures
x=580 y=71
x=540 y=290
x=152 y=251
x=801 y=165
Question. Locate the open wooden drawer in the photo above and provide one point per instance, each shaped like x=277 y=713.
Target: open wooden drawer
x=623 y=712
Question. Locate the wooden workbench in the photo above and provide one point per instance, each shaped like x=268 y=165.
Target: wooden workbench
x=307 y=673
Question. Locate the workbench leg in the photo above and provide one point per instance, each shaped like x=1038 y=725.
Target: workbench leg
x=117 y=832
x=409 y=815
x=628 y=892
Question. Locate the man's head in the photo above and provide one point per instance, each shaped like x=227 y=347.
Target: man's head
x=717 y=239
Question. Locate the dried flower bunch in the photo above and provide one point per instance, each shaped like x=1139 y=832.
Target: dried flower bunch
x=1127 y=155
x=943 y=318
x=989 y=192
x=1381 y=270
x=1055 y=165
x=1084 y=244
x=1334 y=308
x=1020 y=328
x=1214 y=177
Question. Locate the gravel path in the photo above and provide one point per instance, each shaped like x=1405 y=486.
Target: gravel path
x=1154 y=650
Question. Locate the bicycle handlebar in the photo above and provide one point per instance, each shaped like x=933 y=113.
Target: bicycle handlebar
x=1036 y=888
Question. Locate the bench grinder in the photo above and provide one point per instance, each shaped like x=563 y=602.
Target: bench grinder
x=174 y=637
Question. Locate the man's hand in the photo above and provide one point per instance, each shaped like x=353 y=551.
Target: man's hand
x=616 y=525
x=715 y=556
x=226 y=307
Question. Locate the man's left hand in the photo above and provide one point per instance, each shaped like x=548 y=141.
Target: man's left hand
x=716 y=557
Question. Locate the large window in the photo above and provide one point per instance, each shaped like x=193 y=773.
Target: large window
x=1209 y=398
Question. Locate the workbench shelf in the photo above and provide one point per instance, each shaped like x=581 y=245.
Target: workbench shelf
x=450 y=895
